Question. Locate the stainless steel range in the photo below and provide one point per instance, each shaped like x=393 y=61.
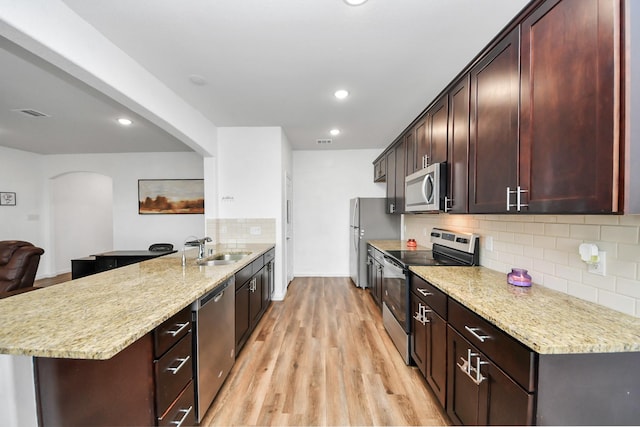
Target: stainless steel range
x=450 y=248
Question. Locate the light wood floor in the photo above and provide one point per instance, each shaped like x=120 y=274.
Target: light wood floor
x=322 y=357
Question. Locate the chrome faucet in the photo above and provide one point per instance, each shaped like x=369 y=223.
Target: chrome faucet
x=200 y=244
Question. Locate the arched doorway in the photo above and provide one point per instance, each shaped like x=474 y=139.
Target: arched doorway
x=82 y=216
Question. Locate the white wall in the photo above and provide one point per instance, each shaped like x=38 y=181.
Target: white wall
x=323 y=184
x=251 y=169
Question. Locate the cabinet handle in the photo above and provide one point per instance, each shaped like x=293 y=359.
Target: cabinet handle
x=180 y=326
x=424 y=292
x=184 y=417
x=448 y=204
x=177 y=368
x=518 y=192
x=467 y=368
x=473 y=332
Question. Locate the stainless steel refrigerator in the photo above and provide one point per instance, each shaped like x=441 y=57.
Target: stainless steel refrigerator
x=368 y=221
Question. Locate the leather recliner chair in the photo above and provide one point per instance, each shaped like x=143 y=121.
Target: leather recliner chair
x=18 y=265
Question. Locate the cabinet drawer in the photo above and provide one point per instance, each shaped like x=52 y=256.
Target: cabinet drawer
x=269 y=256
x=182 y=412
x=430 y=295
x=512 y=356
x=243 y=275
x=173 y=371
x=170 y=332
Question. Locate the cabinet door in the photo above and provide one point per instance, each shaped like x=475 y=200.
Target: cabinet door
x=400 y=176
x=439 y=129
x=568 y=133
x=458 y=155
x=255 y=298
x=242 y=315
x=418 y=335
x=266 y=286
x=391 y=181
x=436 y=361
x=493 y=400
x=494 y=101
x=422 y=143
x=410 y=152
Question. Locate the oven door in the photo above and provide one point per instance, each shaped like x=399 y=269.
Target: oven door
x=394 y=290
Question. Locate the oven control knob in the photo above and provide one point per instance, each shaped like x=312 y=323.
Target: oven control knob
x=462 y=240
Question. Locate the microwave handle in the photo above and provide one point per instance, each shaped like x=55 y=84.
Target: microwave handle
x=428 y=178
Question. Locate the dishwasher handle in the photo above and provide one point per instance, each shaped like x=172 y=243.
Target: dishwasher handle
x=215 y=295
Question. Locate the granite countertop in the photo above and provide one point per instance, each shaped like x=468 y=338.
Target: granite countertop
x=547 y=321
x=97 y=316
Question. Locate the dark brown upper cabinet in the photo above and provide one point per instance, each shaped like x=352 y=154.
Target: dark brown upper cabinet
x=568 y=120
x=410 y=148
x=432 y=133
x=457 y=200
x=495 y=93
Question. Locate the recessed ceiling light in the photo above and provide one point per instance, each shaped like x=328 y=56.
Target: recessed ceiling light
x=124 y=122
x=334 y=132
x=354 y=2
x=341 y=94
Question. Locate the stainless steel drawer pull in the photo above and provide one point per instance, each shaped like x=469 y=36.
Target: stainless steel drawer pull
x=424 y=292
x=177 y=368
x=180 y=326
x=473 y=331
x=467 y=368
x=184 y=417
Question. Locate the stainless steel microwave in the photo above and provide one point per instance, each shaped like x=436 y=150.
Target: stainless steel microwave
x=425 y=190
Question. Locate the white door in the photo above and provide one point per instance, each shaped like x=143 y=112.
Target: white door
x=289 y=231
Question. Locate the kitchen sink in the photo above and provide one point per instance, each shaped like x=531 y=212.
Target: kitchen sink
x=232 y=256
x=223 y=258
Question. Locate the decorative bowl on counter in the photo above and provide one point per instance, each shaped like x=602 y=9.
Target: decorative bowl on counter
x=518 y=277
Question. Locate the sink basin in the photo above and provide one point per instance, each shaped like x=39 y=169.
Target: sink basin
x=224 y=258
x=218 y=262
x=233 y=256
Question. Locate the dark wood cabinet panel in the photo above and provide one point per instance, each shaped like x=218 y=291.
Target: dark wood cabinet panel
x=400 y=176
x=568 y=134
x=243 y=322
x=494 y=109
x=422 y=143
x=487 y=397
x=380 y=170
x=410 y=151
x=436 y=363
x=438 y=117
x=458 y=153
x=391 y=181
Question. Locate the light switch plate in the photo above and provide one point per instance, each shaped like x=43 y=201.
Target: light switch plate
x=255 y=231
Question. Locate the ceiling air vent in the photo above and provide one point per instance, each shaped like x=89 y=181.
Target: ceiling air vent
x=323 y=141
x=31 y=112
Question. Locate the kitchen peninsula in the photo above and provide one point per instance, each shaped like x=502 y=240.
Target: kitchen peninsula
x=102 y=318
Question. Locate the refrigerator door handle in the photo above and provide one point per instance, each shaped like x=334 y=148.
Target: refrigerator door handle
x=355 y=213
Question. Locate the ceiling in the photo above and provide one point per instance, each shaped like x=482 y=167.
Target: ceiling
x=263 y=62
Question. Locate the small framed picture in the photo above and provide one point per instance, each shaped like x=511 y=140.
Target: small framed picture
x=7 y=199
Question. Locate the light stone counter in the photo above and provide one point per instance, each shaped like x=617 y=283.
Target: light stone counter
x=97 y=316
x=547 y=321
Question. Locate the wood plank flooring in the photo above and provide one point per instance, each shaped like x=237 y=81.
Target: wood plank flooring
x=322 y=357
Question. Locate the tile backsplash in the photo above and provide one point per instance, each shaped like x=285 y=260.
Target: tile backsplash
x=242 y=230
x=547 y=246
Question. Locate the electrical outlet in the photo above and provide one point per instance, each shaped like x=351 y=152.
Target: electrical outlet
x=255 y=231
x=601 y=267
x=488 y=243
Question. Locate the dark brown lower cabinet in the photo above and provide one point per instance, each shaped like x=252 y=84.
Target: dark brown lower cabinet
x=480 y=393
x=148 y=383
x=429 y=346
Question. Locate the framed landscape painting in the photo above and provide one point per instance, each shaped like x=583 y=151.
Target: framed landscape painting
x=170 y=196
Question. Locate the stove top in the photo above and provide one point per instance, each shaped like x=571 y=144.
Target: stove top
x=422 y=258
x=450 y=248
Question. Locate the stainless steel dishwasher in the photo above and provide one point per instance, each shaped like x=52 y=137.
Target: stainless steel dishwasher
x=213 y=342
